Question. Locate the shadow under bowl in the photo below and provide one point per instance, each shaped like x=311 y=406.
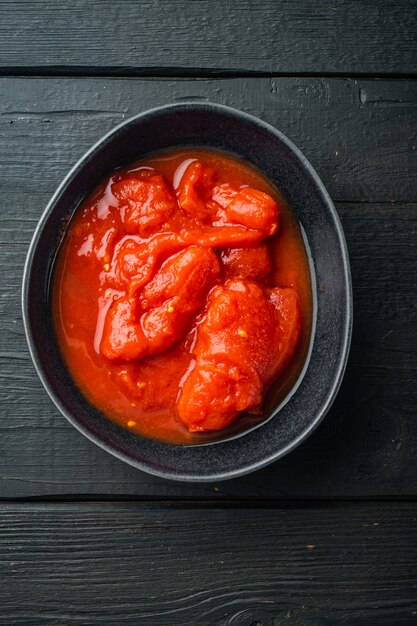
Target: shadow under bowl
x=222 y=128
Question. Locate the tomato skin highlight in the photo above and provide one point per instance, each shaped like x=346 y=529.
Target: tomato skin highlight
x=159 y=314
x=181 y=293
x=248 y=336
x=146 y=204
x=193 y=188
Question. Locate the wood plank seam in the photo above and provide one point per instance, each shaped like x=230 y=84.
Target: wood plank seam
x=75 y=71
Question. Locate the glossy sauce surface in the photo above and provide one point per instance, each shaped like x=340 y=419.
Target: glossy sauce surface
x=160 y=311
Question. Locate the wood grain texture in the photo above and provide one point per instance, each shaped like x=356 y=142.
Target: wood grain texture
x=137 y=564
x=375 y=37
x=364 y=152
x=360 y=135
x=365 y=447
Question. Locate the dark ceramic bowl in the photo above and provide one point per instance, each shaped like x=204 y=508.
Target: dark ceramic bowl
x=219 y=127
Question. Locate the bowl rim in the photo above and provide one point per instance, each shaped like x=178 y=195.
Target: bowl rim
x=340 y=365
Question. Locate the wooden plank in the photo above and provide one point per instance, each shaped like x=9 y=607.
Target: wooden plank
x=138 y=564
x=368 y=444
x=360 y=135
x=304 y=36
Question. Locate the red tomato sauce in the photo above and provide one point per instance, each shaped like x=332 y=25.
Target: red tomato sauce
x=181 y=292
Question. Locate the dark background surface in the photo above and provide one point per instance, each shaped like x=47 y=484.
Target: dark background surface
x=328 y=535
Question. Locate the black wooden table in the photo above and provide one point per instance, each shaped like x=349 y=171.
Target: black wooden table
x=328 y=535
